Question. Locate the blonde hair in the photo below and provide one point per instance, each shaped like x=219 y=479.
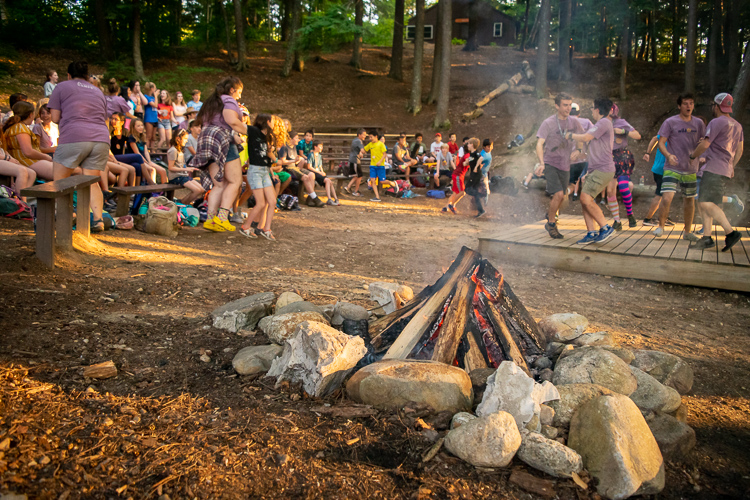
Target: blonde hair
x=475 y=142
x=150 y=87
x=138 y=136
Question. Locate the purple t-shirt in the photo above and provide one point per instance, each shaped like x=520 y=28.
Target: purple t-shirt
x=586 y=125
x=229 y=103
x=621 y=141
x=556 y=148
x=600 y=147
x=83 y=112
x=682 y=139
x=725 y=134
x=116 y=104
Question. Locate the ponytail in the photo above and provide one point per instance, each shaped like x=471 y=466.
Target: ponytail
x=213 y=105
x=21 y=111
x=112 y=87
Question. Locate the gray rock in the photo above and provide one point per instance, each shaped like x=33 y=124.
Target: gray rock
x=566 y=351
x=319 y=357
x=594 y=339
x=563 y=327
x=622 y=353
x=542 y=362
x=652 y=395
x=554 y=349
x=675 y=438
x=534 y=424
x=282 y=326
x=328 y=309
x=546 y=375
x=571 y=397
x=546 y=414
x=550 y=432
x=243 y=313
x=298 y=307
x=383 y=294
x=592 y=365
x=489 y=441
x=617 y=447
x=263 y=323
x=392 y=383
x=681 y=413
x=461 y=418
x=347 y=310
x=287 y=298
x=256 y=358
x=549 y=456
x=479 y=377
x=667 y=368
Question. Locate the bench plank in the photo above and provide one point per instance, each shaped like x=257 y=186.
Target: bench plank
x=148 y=188
x=60 y=187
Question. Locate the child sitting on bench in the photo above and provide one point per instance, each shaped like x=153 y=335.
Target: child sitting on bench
x=179 y=174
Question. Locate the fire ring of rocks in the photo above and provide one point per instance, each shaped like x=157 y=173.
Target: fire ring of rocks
x=490 y=382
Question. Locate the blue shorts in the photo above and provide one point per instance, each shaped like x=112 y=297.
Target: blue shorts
x=165 y=123
x=377 y=171
x=233 y=153
x=181 y=180
x=258 y=177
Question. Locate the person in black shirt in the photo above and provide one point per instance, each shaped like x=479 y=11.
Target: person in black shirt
x=261 y=156
x=119 y=146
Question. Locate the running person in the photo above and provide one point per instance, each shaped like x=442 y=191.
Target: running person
x=624 y=165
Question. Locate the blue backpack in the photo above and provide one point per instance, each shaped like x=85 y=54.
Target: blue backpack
x=436 y=193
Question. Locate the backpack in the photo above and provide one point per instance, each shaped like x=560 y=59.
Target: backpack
x=12 y=206
x=161 y=217
x=287 y=202
x=436 y=193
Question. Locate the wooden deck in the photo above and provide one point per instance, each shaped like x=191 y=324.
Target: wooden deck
x=631 y=253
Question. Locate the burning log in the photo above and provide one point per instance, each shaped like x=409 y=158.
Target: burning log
x=459 y=312
x=510 y=348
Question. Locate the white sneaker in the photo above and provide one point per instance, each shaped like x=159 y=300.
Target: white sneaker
x=658 y=232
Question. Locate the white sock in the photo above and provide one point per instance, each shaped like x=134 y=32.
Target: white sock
x=312 y=195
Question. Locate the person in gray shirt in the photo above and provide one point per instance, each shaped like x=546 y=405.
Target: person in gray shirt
x=355 y=168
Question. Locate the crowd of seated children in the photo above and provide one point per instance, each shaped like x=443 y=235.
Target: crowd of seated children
x=315 y=166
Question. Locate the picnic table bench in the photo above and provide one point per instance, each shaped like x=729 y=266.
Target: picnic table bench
x=54 y=213
x=124 y=194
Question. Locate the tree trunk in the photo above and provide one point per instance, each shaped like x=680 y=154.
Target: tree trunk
x=690 y=50
x=675 y=33
x=239 y=27
x=624 y=52
x=441 y=114
x=652 y=33
x=534 y=30
x=415 y=104
x=436 y=59
x=105 y=33
x=734 y=55
x=543 y=49
x=359 y=14
x=714 y=48
x=286 y=19
x=137 y=61
x=228 y=30
x=565 y=42
x=397 y=52
x=741 y=91
x=175 y=31
x=525 y=26
x=471 y=42
x=603 y=35
x=291 y=53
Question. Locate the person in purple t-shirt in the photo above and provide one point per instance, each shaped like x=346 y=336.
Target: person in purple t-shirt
x=723 y=145
x=553 y=151
x=80 y=110
x=601 y=170
x=578 y=159
x=624 y=165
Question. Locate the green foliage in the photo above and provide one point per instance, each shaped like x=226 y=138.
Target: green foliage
x=183 y=78
x=458 y=41
x=380 y=34
x=327 y=31
x=120 y=70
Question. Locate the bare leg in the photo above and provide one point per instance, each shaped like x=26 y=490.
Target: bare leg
x=712 y=211
x=24 y=177
x=554 y=206
x=232 y=183
x=655 y=201
x=591 y=212
x=666 y=202
x=214 y=197
x=260 y=207
x=688 y=207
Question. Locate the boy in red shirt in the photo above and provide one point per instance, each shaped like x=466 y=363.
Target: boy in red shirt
x=458 y=187
x=452 y=144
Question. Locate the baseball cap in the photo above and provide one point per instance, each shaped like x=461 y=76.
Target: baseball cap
x=438 y=135
x=575 y=109
x=724 y=101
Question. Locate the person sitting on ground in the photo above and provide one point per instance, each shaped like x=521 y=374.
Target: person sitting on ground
x=401 y=157
x=196 y=102
x=377 y=162
x=179 y=174
x=262 y=154
x=624 y=165
x=165 y=110
x=192 y=141
x=115 y=102
x=315 y=165
x=436 y=145
x=138 y=145
x=417 y=149
x=355 y=163
x=23 y=145
x=23 y=176
x=445 y=164
x=304 y=147
x=50 y=82
x=43 y=128
x=293 y=163
x=180 y=112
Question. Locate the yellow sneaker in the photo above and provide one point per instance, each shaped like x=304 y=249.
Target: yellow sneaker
x=225 y=224
x=212 y=225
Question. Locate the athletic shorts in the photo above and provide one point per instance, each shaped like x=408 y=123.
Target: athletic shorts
x=355 y=169
x=596 y=181
x=658 y=180
x=688 y=183
x=713 y=187
x=295 y=172
x=458 y=182
x=377 y=172
x=577 y=170
x=283 y=176
x=258 y=177
x=320 y=179
x=557 y=180
x=87 y=155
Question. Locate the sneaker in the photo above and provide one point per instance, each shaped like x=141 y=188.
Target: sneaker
x=310 y=202
x=97 y=226
x=669 y=222
x=705 y=242
x=658 y=232
x=250 y=233
x=268 y=235
x=225 y=224
x=553 y=232
x=445 y=210
x=356 y=193
x=691 y=237
x=650 y=222
x=480 y=214
x=347 y=190
x=575 y=197
x=605 y=233
x=589 y=238
x=237 y=218
x=336 y=202
x=211 y=225
x=452 y=208
x=731 y=239
x=617 y=226
x=317 y=202
x=329 y=202
x=700 y=231
x=631 y=221
x=374 y=199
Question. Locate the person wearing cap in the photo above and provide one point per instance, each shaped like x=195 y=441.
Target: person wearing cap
x=190 y=115
x=554 y=152
x=436 y=145
x=723 y=145
x=683 y=132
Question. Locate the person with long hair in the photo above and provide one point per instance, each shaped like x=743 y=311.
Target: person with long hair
x=217 y=151
x=50 y=82
x=118 y=146
x=179 y=174
x=137 y=98
x=139 y=145
x=180 y=108
x=261 y=155
x=23 y=145
x=624 y=165
x=43 y=128
x=165 y=111
x=81 y=112
x=115 y=102
x=150 y=116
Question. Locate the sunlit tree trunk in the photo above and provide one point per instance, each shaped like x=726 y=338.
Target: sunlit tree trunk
x=741 y=91
x=436 y=59
x=543 y=49
x=690 y=50
x=228 y=30
x=239 y=27
x=397 y=51
x=525 y=31
x=603 y=35
x=291 y=52
x=624 y=51
x=675 y=33
x=415 y=103
x=441 y=113
x=652 y=31
x=714 y=48
x=734 y=55
x=103 y=29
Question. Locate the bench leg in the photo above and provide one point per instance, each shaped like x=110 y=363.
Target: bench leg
x=45 y=231
x=123 y=202
x=340 y=183
x=64 y=221
x=169 y=195
x=83 y=206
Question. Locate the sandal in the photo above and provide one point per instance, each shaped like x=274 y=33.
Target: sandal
x=97 y=226
x=250 y=233
x=268 y=235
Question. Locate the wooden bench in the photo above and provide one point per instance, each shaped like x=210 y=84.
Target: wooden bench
x=54 y=213
x=124 y=194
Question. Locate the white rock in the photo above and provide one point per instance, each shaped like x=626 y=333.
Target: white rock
x=461 y=418
x=319 y=357
x=489 y=441
x=287 y=298
x=509 y=389
x=549 y=456
x=243 y=313
x=382 y=293
x=255 y=359
x=563 y=327
x=282 y=326
x=571 y=397
x=298 y=306
x=652 y=395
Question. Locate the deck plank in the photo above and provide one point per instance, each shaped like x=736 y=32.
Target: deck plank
x=656 y=243
x=665 y=252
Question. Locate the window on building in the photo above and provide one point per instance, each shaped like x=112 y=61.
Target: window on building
x=498 y=30
x=411 y=31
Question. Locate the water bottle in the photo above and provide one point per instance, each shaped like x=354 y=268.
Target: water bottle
x=641 y=181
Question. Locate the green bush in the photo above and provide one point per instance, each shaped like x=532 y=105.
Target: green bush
x=327 y=31
x=182 y=78
x=458 y=41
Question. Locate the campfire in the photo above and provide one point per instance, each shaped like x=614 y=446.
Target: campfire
x=469 y=318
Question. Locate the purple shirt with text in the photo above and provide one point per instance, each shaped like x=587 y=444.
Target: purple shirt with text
x=682 y=139
x=83 y=112
x=600 y=147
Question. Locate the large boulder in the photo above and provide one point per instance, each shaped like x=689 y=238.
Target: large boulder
x=652 y=395
x=571 y=397
x=298 y=307
x=563 y=327
x=675 y=438
x=592 y=365
x=256 y=358
x=617 y=447
x=509 y=389
x=549 y=456
x=243 y=313
x=595 y=339
x=319 y=357
x=667 y=368
x=281 y=326
x=287 y=298
x=489 y=441
x=347 y=311
x=383 y=293
x=392 y=383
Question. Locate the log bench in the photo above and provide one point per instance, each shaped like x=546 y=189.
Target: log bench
x=54 y=213
x=124 y=194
